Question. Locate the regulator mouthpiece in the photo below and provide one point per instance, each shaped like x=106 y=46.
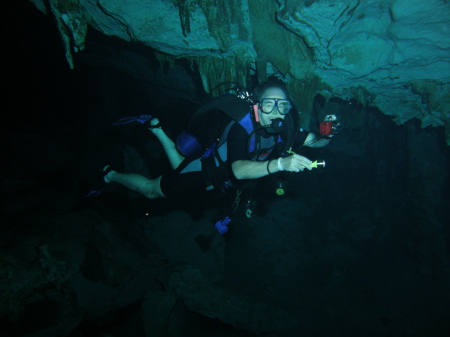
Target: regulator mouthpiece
x=277 y=126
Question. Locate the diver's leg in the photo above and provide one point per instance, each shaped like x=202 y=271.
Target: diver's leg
x=149 y=188
x=175 y=158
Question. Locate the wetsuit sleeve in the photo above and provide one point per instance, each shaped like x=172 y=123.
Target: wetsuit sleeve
x=237 y=144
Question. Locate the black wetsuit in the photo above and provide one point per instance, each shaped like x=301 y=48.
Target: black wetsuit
x=189 y=178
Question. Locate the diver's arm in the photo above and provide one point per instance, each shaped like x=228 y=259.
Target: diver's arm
x=313 y=141
x=248 y=169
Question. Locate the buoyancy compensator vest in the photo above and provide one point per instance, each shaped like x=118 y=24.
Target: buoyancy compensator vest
x=208 y=129
x=209 y=122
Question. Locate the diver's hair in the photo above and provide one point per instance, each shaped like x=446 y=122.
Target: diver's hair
x=262 y=87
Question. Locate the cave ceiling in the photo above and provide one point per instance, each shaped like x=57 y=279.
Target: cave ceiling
x=391 y=54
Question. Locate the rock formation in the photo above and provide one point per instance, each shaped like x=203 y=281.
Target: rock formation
x=390 y=54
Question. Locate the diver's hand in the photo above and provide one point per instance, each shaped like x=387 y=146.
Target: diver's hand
x=295 y=163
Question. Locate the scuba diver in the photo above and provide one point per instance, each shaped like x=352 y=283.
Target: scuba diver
x=253 y=139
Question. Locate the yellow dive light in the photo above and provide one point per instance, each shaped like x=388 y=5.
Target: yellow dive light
x=315 y=164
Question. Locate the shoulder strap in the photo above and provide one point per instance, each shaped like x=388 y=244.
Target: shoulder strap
x=209 y=121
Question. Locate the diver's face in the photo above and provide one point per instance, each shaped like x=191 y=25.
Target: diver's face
x=266 y=118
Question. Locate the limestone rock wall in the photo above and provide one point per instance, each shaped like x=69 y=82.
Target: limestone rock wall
x=391 y=54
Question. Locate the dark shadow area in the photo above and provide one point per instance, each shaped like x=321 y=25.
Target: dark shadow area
x=360 y=247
